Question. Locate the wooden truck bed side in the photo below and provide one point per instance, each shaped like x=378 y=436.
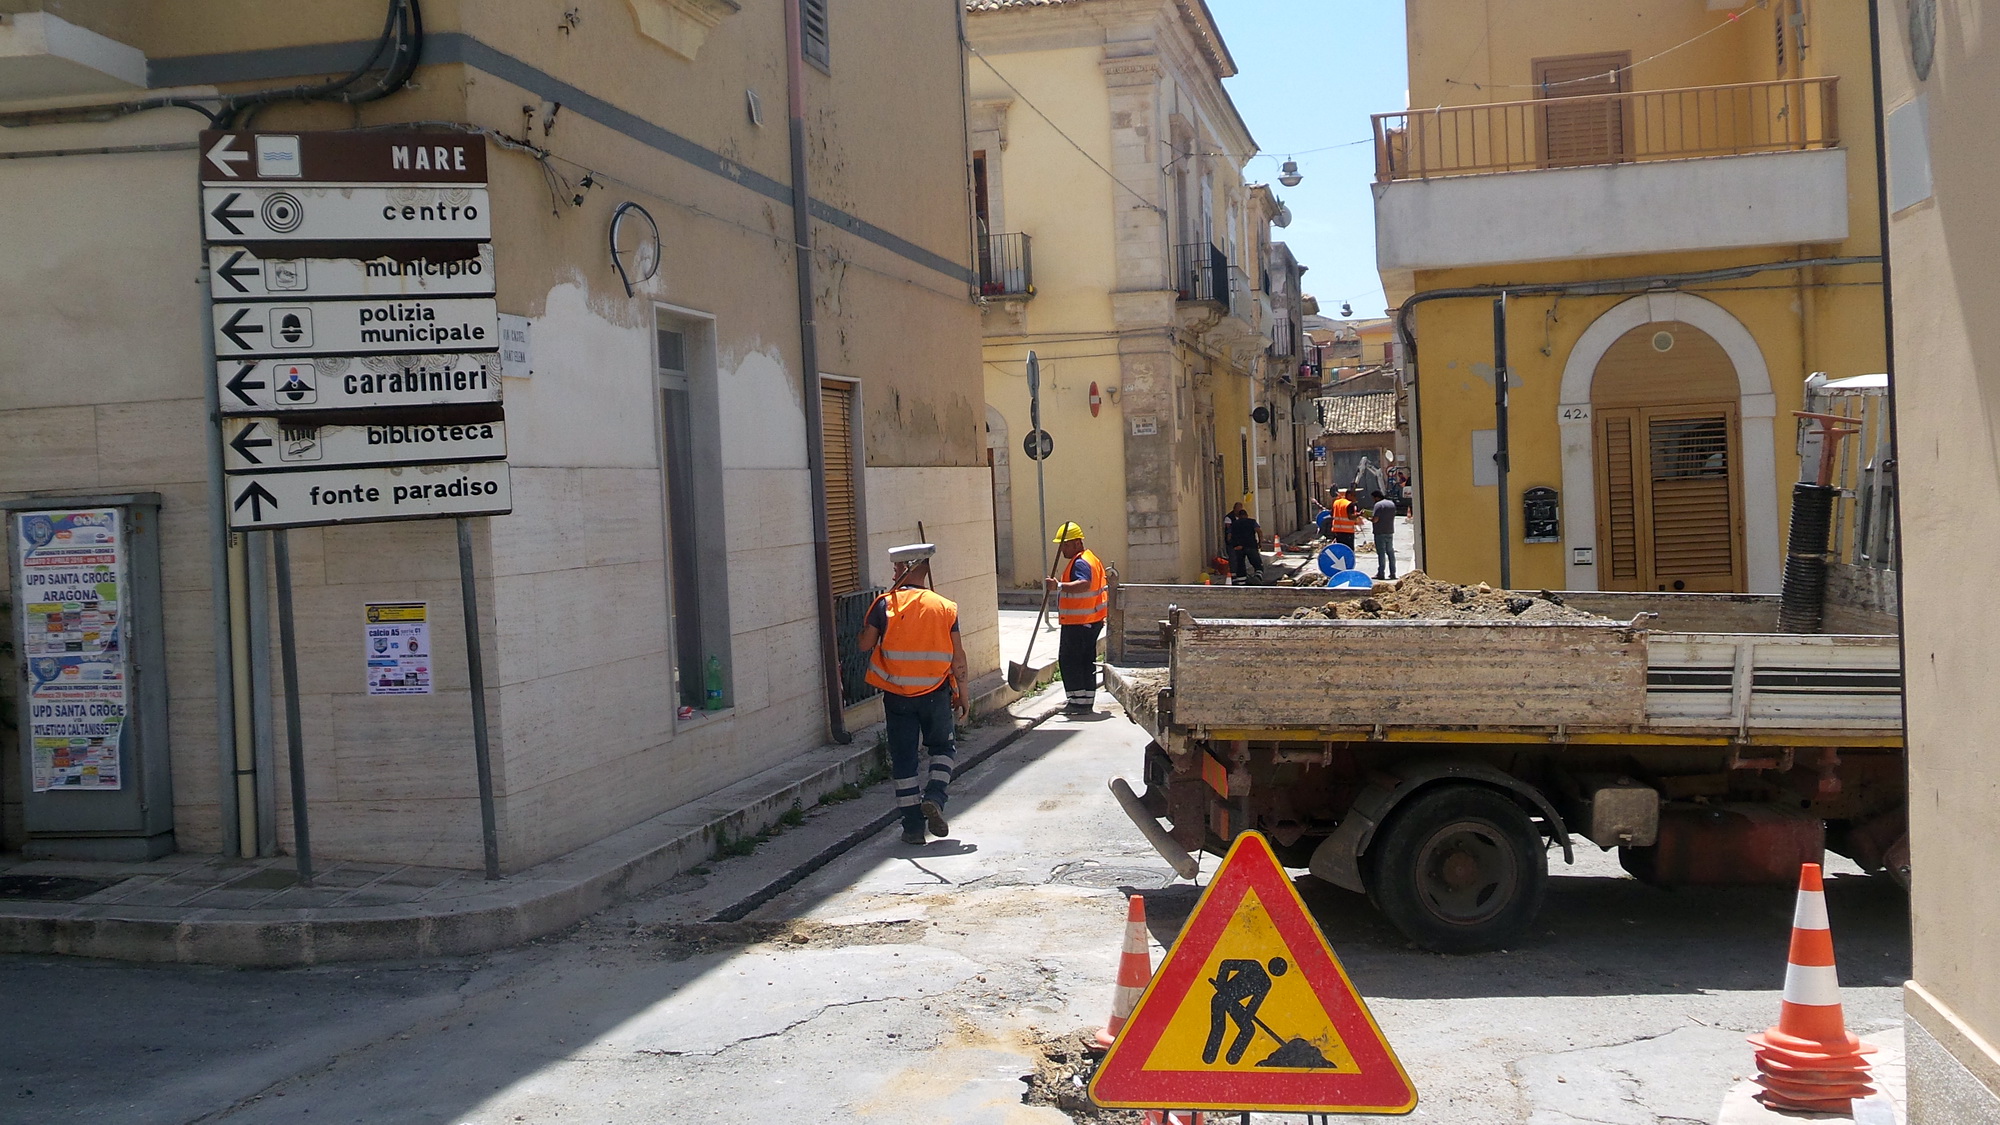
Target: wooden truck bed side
x=1304 y=673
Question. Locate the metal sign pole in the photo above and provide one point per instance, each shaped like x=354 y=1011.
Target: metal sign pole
x=1034 y=430
x=288 y=656
x=475 y=671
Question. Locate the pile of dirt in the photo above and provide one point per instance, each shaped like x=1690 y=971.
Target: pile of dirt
x=1417 y=595
x=675 y=941
x=1061 y=1078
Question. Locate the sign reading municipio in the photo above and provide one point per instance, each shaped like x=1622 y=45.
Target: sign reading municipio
x=242 y=273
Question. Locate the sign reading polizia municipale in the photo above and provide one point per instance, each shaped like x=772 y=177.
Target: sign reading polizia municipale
x=1251 y=1011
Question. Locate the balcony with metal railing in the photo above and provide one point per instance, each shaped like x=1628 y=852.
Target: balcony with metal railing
x=1202 y=273
x=1648 y=171
x=1006 y=265
x=1284 y=336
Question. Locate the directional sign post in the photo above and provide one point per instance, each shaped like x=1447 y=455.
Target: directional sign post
x=261 y=386
x=356 y=341
x=1251 y=1011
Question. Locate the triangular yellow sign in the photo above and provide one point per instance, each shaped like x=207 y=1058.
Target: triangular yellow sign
x=1252 y=1011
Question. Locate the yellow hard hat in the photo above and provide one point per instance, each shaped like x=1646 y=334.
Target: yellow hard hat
x=1067 y=532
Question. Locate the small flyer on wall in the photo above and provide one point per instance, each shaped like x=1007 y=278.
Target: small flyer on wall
x=399 y=648
x=71 y=570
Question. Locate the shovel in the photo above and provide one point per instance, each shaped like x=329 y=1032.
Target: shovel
x=1021 y=674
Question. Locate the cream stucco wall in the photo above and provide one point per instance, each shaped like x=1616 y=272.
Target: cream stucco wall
x=1945 y=257
x=101 y=391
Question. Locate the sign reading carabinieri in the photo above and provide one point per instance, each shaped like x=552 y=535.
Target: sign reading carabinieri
x=355 y=331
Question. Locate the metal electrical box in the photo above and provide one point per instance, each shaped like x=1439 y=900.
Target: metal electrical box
x=92 y=692
x=1541 y=516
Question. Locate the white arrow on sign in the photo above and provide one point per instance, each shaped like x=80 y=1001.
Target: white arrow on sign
x=224 y=156
x=263 y=444
x=239 y=273
x=266 y=386
x=259 y=212
x=369 y=495
x=413 y=324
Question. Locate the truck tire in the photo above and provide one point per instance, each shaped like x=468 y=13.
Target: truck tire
x=1458 y=869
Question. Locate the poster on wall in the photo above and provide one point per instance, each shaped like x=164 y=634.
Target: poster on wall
x=399 y=648
x=71 y=568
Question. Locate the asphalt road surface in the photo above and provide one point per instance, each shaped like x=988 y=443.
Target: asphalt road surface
x=906 y=985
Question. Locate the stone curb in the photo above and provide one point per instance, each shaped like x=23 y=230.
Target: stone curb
x=534 y=903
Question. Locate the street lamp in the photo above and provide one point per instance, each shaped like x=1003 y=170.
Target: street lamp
x=1288 y=174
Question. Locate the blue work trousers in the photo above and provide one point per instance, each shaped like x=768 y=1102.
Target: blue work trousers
x=926 y=718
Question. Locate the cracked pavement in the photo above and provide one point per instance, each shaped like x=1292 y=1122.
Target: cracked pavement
x=905 y=985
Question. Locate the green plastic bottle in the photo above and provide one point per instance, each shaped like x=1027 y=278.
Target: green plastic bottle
x=711 y=699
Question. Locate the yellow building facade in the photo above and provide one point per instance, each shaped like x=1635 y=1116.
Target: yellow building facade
x=1120 y=244
x=1677 y=203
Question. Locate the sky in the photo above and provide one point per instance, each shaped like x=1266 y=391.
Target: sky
x=1310 y=72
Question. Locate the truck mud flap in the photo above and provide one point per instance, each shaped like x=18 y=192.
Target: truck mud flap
x=1338 y=858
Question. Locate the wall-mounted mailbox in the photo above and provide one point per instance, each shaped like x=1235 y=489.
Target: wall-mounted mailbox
x=1541 y=516
x=92 y=694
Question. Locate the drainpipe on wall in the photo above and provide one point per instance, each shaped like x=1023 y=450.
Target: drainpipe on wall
x=829 y=639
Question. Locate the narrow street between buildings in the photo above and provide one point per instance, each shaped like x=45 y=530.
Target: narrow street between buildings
x=940 y=983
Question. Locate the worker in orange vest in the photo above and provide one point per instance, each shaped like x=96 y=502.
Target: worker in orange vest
x=1346 y=519
x=1083 y=601
x=917 y=659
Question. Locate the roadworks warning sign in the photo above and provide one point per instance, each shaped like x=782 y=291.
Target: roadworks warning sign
x=1252 y=1011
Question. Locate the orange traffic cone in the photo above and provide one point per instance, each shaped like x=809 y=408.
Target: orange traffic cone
x=1135 y=969
x=1809 y=1061
x=1277 y=548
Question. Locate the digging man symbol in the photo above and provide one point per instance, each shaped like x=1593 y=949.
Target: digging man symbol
x=1241 y=987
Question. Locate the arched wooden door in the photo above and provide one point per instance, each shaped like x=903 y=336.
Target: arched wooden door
x=1669 y=450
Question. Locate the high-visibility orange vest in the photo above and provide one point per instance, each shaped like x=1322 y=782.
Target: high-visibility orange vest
x=1086 y=606
x=1344 y=519
x=913 y=655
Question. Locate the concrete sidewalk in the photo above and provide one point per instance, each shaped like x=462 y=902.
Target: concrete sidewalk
x=220 y=910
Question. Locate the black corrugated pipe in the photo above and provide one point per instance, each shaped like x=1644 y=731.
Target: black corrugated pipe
x=1802 y=599
x=829 y=637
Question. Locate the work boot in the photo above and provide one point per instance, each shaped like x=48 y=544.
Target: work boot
x=913 y=835
x=934 y=820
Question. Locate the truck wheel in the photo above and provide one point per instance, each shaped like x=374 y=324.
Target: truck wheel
x=1458 y=869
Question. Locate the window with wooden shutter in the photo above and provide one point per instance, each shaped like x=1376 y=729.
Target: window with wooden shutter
x=843 y=485
x=1688 y=464
x=1587 y=132
x=816 y=44
x=1621 y=501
